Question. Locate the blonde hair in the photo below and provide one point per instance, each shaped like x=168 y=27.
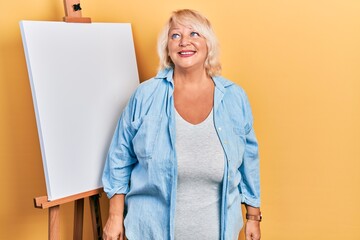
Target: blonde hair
x=199 y=23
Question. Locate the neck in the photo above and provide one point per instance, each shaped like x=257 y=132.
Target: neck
x=193 y=77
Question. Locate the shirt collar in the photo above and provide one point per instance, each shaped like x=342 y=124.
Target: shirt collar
x=220 y=84
x=166 y=73
x=219 y=81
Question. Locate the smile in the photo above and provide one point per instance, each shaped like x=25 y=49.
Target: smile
x=187 y=53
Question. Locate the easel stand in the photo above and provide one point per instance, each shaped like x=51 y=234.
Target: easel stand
x=73 y=15
x=54 y=213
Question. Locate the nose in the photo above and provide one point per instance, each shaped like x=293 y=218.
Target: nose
x=184 y=41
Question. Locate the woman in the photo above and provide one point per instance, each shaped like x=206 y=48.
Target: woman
x=184 y=154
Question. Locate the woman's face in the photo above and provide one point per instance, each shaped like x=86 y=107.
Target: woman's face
x=187 y=48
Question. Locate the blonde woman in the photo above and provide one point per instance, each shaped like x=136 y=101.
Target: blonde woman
x=184 y=156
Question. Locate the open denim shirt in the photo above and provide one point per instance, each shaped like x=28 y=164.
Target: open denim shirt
x=141 y=161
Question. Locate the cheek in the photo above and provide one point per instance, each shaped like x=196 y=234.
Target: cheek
x=171 y=48
x=201 y=45
x=170 y=53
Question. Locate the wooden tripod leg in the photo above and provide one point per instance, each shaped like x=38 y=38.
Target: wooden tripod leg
x=78 y=219
x=54 y=223
x=96 y=216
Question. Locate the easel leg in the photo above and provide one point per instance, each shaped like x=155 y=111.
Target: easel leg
x=96 y=216
x=78 y=219
x=54 y=223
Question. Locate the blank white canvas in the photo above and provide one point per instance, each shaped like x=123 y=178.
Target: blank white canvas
x=81 y=77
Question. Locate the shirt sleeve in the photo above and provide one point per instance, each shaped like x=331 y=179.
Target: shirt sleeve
x=120 y=158
x=249 y=169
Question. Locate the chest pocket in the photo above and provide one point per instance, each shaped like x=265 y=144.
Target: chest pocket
x=146 y=136
x=240 y=145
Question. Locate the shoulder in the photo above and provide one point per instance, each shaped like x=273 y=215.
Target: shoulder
x=154 y=84
x=147 y=87
x=235 y=99
x=148 y=97
x=230 y=88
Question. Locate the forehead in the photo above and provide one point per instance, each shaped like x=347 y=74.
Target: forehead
x=177 y=25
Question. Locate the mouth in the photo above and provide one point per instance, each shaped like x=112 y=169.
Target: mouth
x=186 y=53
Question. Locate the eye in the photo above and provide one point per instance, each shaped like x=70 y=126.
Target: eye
x=175 y=36
x=194 y=34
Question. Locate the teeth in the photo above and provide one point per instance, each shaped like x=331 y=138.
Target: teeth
x=186 y=53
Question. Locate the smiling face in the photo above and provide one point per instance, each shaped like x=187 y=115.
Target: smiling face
x=187 y=48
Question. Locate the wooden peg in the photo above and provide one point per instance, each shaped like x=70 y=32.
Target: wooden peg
x=73 y=12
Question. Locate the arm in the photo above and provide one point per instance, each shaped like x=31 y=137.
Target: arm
x=250 y=184
x=250 y=172
x=252 y=227
x=116 y=175
x=114 y=227
x=249 y=169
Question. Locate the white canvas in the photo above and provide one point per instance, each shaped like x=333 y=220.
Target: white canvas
x=81 y=77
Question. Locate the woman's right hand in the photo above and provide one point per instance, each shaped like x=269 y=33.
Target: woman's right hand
x=114 y=228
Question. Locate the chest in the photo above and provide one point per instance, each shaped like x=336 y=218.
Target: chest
x=194 y=106
x=200 y=156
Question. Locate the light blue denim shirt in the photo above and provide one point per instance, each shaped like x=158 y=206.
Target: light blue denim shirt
x=141 y=161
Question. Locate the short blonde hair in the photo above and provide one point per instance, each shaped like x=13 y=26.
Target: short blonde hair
x=202 y=25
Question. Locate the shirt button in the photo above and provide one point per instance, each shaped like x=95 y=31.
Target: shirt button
x=219 y=128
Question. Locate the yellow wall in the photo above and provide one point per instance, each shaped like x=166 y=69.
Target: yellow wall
x=298 y=60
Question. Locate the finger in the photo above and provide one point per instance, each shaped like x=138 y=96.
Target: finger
x=255 y=237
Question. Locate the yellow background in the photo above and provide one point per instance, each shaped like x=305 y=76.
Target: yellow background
x=298 y=60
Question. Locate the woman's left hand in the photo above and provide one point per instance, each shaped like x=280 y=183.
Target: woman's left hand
x=252 y=230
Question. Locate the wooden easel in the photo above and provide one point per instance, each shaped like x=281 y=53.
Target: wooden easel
x=54 y=213
x=73 y=14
